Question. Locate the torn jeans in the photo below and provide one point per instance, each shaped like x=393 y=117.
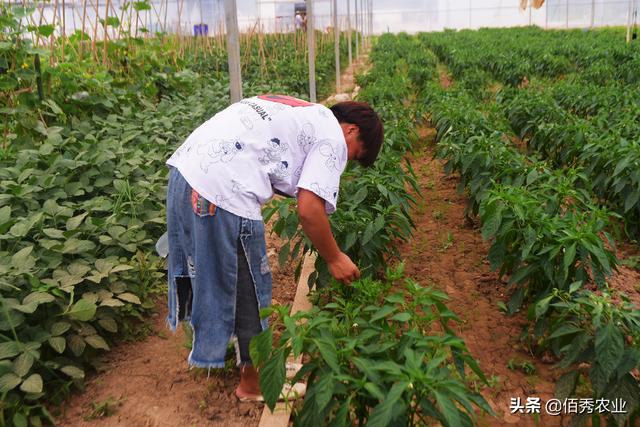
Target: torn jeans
x=206 y=249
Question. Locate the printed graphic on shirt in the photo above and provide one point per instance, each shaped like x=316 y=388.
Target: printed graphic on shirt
x=307 y=137
x=273 y=152
x=280 y=170
x=264 y=115
x=327 y=193
x=298 y=172
x=221 y=200
x=332 y=161
x=218 y=151
x=287 y=100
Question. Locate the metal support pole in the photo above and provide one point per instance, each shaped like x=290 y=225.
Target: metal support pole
x=368 y=21
x=593 y=13
x=567 y=14
x=469 y=13
x=233 y=49
x=370 y=18
x=357 y=29
x=336 y=44
x=530 y=7
x=349 y=32
x=629 y=13
x=364 y=37
x=311 y=41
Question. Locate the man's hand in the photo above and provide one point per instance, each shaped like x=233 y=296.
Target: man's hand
x=343 y=269
x=316 y=225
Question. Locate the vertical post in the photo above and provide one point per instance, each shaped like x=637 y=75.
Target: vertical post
x=106 y=35
x=349 y=31
x=469 y=14
x=593 y=13
x=530 y=7
x=567 y=14
x=233 y=49
x=357 y=29
x=364 y=38
x=629 y=13
x=84 y=19
x=64 y=26
x=336 y=37
x=311 y=41
x=370 y=19
x=366 y=23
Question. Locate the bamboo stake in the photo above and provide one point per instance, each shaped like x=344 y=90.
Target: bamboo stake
x=64 y=27
x=157 y=15
x=113 y=11
x=95 y=31
x=121 y=26
x=180 y=27
x=31 y=18
x=41 y=10
x=84 y=18
x=130 y=20
x=106 y=34
x=52 y=36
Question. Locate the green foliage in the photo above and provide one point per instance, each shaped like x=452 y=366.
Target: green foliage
x=592 y=127
x=373 y=357
x=601 y=330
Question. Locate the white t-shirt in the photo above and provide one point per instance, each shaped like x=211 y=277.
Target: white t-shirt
x=236 y=158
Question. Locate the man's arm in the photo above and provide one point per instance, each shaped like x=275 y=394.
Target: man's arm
x=316 y=225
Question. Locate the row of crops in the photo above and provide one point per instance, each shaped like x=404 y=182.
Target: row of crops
x=550 y=210
x=380 y=351
x=572 y=95
x=83 y=188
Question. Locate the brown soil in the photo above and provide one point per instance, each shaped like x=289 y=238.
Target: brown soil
x=627 y=278
x=445 y=78
x=448 y=252
x=148 y=383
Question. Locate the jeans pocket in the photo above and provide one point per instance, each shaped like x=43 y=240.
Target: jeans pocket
x=201 y=206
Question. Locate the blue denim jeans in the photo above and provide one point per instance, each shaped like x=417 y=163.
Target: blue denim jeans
x=219 y=275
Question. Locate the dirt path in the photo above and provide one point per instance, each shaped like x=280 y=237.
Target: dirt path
x=449 y=252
